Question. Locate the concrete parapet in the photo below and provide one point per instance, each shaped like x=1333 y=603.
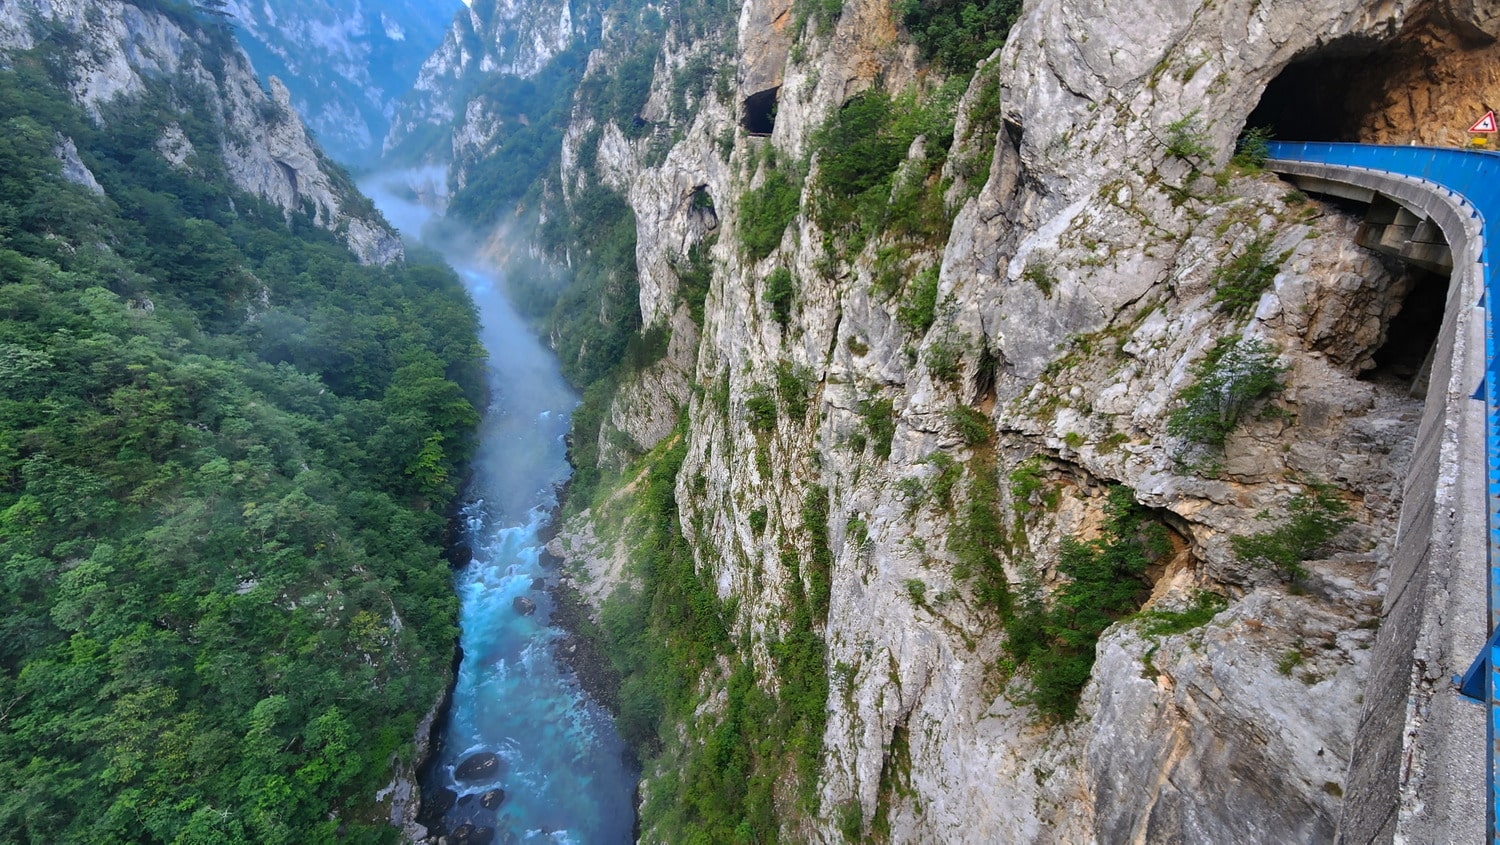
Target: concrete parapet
x=1417 y=772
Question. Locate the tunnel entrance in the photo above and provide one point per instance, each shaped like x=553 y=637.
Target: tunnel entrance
x=1331 y=95
x=1425 y=85
x=759 y=115
x=701 y=211
x=1418 y=87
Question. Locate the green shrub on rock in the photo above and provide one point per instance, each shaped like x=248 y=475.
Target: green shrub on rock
x=956 y=34
x=1227 y=382
x=780 y=289
x=879 y=419
x=1238 y=284
x=765 y=212
x=919 y=311
x=760 y=408
x=1106 y=582
x=1315 y=517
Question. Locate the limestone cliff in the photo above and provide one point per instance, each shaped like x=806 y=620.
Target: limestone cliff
x=1085 y=275
x=489 y=37
x=347 y=63
x=115 y=49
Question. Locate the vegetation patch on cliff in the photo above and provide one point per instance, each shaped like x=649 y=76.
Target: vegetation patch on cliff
x=1238 y=284
x=532 y=114
x=1055 y=639
x=1231 y=379
x=1050 y=638
x=1315 y=517
x=956 y=34
x=856 y=193
x=593 y=317
x=668 y=636
x=766 y=210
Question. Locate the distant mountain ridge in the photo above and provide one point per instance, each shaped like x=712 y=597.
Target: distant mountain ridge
x=456 y=105
x=346 y=62
x=110 y=52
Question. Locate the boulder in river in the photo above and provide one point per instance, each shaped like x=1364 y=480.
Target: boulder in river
x=524 y=606
x=482 y=836
x=462 y=835
x=491 y=799
x=539 y=583
x=481 y=766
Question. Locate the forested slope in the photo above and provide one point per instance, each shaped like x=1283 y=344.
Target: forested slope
x=226 y=451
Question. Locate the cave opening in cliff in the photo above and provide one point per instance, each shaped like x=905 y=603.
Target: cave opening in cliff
x=1411 y=338
x=1333 y=94
x=289 y=173
x=759 y=116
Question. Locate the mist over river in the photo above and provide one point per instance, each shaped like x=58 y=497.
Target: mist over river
x=519 y=722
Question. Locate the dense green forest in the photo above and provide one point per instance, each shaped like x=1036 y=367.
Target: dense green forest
x=226 y=453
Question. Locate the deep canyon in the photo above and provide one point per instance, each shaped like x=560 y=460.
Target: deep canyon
x=968 y=438
x=560 y=772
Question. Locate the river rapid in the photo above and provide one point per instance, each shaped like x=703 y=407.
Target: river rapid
x=518 y=721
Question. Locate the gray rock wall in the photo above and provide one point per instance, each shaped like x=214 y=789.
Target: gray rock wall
x=503 y=37
x=266 y=148
x=1417 y=769
x=1243 y=730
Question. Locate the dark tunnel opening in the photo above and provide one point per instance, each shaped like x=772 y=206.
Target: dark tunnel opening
x=760 y=112
x=1328 y=96
x=1410 y=339
x=1354 y=90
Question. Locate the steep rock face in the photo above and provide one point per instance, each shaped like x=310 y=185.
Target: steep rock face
x=500 y=37
x=1234 y=740
x=346 y=62
x=646 y=413
x=116 y=48
x=922 y=658
x=1078 y=292
x=73 y=168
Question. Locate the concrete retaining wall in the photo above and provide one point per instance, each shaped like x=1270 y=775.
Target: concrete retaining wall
x=1418 y=767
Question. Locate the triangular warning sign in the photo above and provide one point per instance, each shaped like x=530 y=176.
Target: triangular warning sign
x=1485 y=124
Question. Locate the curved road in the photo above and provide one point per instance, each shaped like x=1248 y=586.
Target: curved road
x=1419 y=750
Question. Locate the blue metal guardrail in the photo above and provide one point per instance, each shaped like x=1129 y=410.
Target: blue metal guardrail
x=1474 y=177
